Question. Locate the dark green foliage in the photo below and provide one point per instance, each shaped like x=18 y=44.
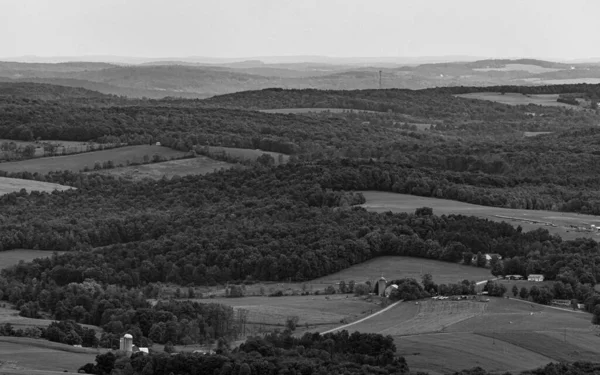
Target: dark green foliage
x=408 y=290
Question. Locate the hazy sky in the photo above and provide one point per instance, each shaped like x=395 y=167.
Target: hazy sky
x=243 y=28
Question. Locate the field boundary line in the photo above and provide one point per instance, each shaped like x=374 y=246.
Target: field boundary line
x=363 y=319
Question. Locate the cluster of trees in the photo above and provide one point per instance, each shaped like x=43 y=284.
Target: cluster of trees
x=276 y=353
x=465 y=287
x=71 y=333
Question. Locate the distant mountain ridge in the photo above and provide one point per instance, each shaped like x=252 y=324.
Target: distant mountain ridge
x=160 y=79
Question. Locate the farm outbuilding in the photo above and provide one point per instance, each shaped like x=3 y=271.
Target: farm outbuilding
x=381 y=286
x=390 y=289
x=158 y=143
x=535 y=278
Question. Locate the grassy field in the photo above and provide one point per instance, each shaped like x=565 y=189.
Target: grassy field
x=393 y=267
x=182 y=167
x=22 y=354
x=9 y=185
x=555 y=222
x=247 y=153
x=499 y=335
x=11 y=257
x=517 y=99
x=310 y=309
x=78 y=162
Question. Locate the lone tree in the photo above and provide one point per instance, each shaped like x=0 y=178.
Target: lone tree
x=515 y=290
x=524 y=293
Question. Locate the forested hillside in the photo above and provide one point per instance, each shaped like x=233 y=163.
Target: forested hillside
x=288 y=222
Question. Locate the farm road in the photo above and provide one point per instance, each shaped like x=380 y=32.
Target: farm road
x=381 y=312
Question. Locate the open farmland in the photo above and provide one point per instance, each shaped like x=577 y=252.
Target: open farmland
x=11 y=257
x=9 y=185
x=396 y=267
x=311 y=310
x=78 y=162
x=181 y=167
x=559 y=223
x=22 y=354
x=499 y=335
x=511 y=98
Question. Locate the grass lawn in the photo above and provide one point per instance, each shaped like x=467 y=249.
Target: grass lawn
x=78 y=162
x=183 y=167
x=527 y=219
x=9 y=185
x=11 y=257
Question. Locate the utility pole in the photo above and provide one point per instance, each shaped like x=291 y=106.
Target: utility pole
x=380 y=85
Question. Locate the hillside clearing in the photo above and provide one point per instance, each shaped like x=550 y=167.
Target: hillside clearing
x=20 y=353
x=530 y=68
x=78 y=162
x=559 y=223
x=9 y=185
x=168 y=169
x=248 y=154
x=11 y=257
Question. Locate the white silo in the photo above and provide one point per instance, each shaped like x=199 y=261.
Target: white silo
x=128 y=344
x=381 y=286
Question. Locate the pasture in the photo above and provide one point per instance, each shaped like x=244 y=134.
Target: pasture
x=9 y=185
x=168 y=169
x=534 y=134
x=78 y=162
x=555 y=222
x=512 y=98
x=22 y=354
x=499 y=335
x=11 y=257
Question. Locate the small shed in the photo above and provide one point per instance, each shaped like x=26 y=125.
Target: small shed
x=535 y=278
x=158 y=143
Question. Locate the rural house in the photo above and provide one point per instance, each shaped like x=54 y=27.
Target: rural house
x=488 y=258
x=536 y=278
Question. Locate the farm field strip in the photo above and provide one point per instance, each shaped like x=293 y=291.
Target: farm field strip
x=168 y=169
x=77 y=162
x=518 y=99
x=528 y=219
x=315 y=110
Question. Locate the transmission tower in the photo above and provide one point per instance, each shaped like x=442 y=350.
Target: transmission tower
x=380 y=85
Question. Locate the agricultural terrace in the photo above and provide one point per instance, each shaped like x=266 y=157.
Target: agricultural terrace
x=78 y=162
x=512 y=98
x=559 y=223
x=9 y=185
x=499 y=335
x=11 y=257
x=181 y=167
x=22 y=354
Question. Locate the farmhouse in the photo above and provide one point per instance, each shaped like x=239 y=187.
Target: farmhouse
x=536 y=278
x=514 y=277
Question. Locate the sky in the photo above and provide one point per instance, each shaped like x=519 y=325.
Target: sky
x=555 y=29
